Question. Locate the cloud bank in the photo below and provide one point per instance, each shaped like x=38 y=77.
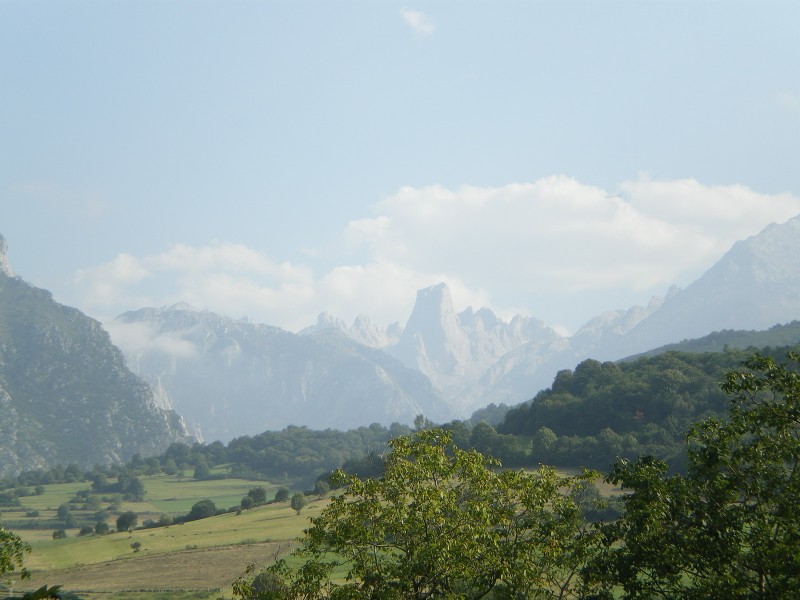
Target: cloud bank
x=556 y=248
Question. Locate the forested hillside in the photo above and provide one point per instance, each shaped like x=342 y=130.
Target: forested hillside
x=600 y=411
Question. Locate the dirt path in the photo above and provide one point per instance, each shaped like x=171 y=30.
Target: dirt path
x=190 y=570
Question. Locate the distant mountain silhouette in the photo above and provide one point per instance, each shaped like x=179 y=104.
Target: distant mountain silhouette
x=230 y=378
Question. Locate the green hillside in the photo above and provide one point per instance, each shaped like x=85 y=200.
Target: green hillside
x=601 y=411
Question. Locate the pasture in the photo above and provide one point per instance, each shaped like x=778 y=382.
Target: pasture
x=194 y=560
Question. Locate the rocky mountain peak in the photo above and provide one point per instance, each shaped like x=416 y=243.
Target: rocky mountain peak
x=433 y=338
x=5 y=267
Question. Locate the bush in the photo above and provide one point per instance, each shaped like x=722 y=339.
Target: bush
x=202 y=510
x=59 y=534
x=126 y=521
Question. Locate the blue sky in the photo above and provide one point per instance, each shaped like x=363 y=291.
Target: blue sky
x=278 y=159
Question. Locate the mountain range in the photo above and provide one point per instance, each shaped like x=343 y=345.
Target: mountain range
x=229 y=378
x=67 y=394
x=232 y=377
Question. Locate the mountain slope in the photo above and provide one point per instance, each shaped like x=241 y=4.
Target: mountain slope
x=66 y=395
x=755 y=285
x=775 y=337
x=232 y=378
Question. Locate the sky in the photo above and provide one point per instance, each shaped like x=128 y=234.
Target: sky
x=278 y=159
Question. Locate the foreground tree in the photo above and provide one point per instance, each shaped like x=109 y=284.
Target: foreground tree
x=440 y=523
x=12 y=554
x=731 y=527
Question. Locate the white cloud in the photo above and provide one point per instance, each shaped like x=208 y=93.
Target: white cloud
x=559 y=236
x=418 y=21
x=135 y=338
x=556 y=248
x=231 y=279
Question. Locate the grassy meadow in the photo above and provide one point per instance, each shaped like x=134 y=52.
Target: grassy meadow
x=197 y=559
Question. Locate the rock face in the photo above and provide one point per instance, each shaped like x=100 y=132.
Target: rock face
x=363 y=330
x=231 y=378
x=66 y=395
x=433 y=340
x=457 y=351
x=5 y=268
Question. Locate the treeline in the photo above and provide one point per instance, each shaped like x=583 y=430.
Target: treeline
x=295 y=454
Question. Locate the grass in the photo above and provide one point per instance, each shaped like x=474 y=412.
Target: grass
x=273 y=522
x=200 y=558
x=197 y=560
x=174 y=496
x=165 y=494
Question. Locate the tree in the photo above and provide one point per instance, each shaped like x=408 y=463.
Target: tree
x=12 y=554
x=202 y=510
x=202 y=471
x=321 y=488
x=298 y=502
x=101 y=528
x=442 y=523
x=264 y=586
x=59 y=534
x=127 y=521
x=258 y=494
x=281 y=494
x=730 y=528
x=63 y=512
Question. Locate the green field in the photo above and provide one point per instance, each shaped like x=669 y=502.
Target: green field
x=198 y=559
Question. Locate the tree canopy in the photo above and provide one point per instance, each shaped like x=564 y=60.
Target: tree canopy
x=12 y=553
x=441 y=523
x=729 y=528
